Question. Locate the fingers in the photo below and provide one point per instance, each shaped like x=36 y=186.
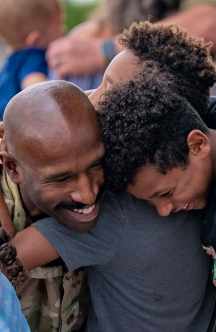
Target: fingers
x=4 y=236
x=10 y=266
x=56 y=50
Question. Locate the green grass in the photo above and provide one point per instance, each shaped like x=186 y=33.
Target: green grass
x=77 y=13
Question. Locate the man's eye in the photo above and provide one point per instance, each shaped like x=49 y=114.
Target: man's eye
x=98 y=165
x=62 y=180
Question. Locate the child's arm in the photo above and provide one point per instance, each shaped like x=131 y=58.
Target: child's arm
x=32 y=79
x=33 y=249
x=34 y=69
x=5 y=218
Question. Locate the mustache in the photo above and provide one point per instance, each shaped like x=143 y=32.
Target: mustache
x=78 y=205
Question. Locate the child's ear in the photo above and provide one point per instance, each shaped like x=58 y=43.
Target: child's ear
x=198 y=144
x=10 y=166
x=33 y=38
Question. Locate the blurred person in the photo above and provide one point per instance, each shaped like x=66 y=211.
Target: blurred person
x=27 y=27
x=11 y=317
x=82 y=56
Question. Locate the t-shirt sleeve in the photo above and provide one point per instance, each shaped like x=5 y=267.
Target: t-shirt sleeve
x=35 y=62
x=95 y=247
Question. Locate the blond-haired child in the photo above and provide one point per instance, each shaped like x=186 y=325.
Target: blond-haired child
x=27 y=27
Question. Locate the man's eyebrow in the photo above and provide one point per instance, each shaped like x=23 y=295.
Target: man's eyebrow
x=98 y=160
x=56 y=176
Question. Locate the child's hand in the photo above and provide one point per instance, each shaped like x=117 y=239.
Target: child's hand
x=210 y=251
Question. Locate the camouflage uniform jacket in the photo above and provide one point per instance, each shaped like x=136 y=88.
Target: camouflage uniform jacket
x=52 y=299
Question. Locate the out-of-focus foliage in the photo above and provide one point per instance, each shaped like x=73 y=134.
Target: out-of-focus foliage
x=77 y=13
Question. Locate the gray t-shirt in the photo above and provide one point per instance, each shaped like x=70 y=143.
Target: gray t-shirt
x=146 y=273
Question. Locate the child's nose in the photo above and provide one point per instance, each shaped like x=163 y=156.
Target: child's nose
x=164 y=209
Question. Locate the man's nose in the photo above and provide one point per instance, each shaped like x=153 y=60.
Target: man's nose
x=164 y=208
x=86 y=191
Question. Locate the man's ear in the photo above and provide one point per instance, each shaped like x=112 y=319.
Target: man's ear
x=10 y=166
x=198 y=144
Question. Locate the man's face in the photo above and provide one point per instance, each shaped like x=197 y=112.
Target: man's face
x=64 y=177
x=123 y=67
x=180 y=189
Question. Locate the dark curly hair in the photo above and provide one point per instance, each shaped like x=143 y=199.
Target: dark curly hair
x=187 y=58
x=144 y=122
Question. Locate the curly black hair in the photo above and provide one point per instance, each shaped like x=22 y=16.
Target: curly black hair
x=144 y=122
x=187 y=58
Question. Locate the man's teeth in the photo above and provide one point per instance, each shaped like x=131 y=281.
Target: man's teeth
x=186 y=205
x=85 y=211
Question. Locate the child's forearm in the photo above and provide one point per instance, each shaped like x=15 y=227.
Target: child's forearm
x=33 y=249
x=33 y=78
x=5 y=218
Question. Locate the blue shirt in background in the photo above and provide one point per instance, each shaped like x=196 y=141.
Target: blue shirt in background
x=16 y=68
x=11 y=317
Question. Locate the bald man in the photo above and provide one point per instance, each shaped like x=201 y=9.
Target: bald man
x=52 y=160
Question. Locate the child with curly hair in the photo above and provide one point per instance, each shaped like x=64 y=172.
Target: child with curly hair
x=170 y=47
x=159 y=149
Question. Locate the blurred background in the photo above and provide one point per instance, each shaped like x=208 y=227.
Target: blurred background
x=76 y=12
x=79 y=50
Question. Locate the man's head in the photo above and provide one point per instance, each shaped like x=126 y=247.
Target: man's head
x=54 y=152
x=30 y=23
x=157 y=146
x=187 y=58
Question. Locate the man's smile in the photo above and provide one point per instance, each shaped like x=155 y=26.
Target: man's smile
x=84 y=215
x=86 y=210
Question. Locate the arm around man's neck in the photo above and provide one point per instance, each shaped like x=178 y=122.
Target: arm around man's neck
x=33 y=249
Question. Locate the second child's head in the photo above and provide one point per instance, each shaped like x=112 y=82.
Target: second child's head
x=157 y=146
x=30 y=23
x=170 y=47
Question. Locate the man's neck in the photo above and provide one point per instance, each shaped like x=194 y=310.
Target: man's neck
x=32 y=211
